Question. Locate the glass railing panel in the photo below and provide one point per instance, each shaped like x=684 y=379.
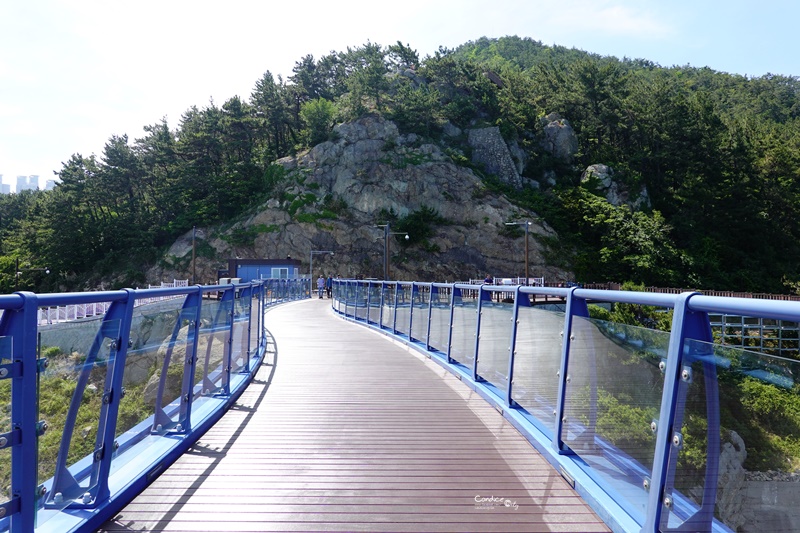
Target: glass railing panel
x=757 y=453
x=387 y=316
x=374 y=304
x=440 y=325
x=495 y=338
x=403 y=309
x=361 y=302
x=613 y=395
x=211 y=347
x=536 y=363
x=6 y=351
x=241 y=320
x=71 y=391
x=465 y=321
x=155 y=365
x=419 y=324
x=256 y=322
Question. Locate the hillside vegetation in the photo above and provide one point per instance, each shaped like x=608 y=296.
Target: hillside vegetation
x=718 y=154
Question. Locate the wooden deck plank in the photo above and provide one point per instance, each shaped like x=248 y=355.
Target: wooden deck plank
x=350 y=432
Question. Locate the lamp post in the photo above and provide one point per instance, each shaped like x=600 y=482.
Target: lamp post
x=386 y=232
x=311 y=268
x=18 y=272
x=527 y=224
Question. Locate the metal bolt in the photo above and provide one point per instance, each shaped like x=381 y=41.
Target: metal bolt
x=569 y=379
x=179 y=427
x=677 y=440
x=646 y=484
x=564 y=420
x=113 y=345
x=558 y=373
x=555 y=413
x=653 y=426
x=662 y=366
x=122 y=393
x=41 y=490
x=87 y=497
x=130 y=343
x=668 y=502
x=2 y=512
x=116 y=445
x=185 y=397
x=3 y=373
x=58 y=498
x=3 y=442
x=97 y=456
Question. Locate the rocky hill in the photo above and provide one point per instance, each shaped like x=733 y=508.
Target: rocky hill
x=334 y=196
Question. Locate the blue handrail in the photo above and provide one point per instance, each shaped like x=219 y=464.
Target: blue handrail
x=643 y=487
x=214 y=346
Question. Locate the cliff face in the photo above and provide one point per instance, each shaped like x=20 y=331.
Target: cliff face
x=338 y=192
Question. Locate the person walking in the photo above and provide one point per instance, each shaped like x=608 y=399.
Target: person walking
x=329 y=286
x=320 y=285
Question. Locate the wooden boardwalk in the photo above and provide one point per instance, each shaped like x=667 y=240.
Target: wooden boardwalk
x=345 y=430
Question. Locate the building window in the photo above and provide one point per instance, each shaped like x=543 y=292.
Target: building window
x=281 y=273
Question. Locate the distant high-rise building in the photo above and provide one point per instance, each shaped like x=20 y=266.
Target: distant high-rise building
x=5 y=188
x=50 y=185
x=28 y=183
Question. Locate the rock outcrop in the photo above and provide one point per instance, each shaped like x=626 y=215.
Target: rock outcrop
x=369 y=171
x=490 y=150
x=560 y=139
x=615 y=192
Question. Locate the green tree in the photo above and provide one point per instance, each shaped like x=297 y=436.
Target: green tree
x=319 y=116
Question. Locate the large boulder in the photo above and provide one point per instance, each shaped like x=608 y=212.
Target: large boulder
x=559 y=138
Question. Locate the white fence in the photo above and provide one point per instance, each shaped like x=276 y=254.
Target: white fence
x=67 y=313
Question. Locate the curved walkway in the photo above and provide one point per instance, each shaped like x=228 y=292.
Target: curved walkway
x=345 y=430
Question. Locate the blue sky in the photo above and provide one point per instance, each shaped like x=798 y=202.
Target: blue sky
x=75 y=72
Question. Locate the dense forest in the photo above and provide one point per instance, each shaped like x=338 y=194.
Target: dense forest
x=719 y=155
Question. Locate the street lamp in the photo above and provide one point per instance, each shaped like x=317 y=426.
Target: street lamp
x=386 y=232
x=311 y=268
x=18 y=272
x=527 y=224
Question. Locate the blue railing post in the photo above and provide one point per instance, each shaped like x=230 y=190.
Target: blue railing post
x=122 y=311
x=383 y=302
x=482 y=295
x=453 y=296
x=394 y=310
x=686 y=324
x=520 y=300
x=575 y=307
x=23 y=371
x=414 y=296
x=229 y=296
x=193 y=301
x=433 y=292
x=369 y=301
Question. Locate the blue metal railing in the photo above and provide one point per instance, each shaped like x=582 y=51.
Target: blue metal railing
x=651 y=427
x=95 y=409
